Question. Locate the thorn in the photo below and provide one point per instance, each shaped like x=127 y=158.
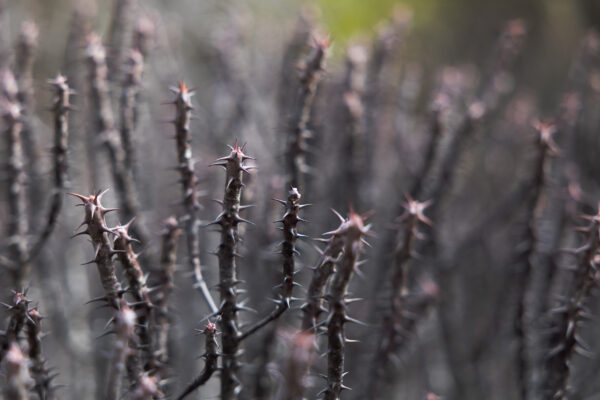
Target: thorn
x=337 y=214
x=354 y=321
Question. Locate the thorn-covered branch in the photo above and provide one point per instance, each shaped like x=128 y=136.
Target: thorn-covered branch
x=211 y=358
x=288 y=248
x=183 y=107
x=165 y=280
x=60 y=109
x=298 y=125
x=566 y=317
x=124 y=326
x=313 y=307
x=17 y=224
x=138 y=288
x=98 y=232
x=352 y=231
x=229 y=219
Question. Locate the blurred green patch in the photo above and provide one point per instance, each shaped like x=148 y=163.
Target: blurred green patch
x=346 y=19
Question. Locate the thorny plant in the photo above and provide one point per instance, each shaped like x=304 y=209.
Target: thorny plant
x=361 y=139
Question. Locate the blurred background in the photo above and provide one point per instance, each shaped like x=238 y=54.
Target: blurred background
x=417 y=70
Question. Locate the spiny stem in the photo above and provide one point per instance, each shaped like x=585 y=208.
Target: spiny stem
x=142 y=36
x=405 y=309
x=60 y=108
x=211 y=358
x=352 y=230
x=98 y=232
x=124 y=326
x=165 y=278
x=137 y=286
x=109 y=137
x=37 y=367
x=18 y=317
x=129 y=98
x=298 y=124
x=288 y=79
x=352 y=123
x=17 y=226
x=567 y=315
x=556 y=210
x=183 y=109
x=316 y=290
x=229 y=219
x=435 y=128
x=288 y=248
x=25 y=53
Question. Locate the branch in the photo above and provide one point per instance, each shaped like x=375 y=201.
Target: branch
x=298 y=125
x=125 y=330
x=210 y=360
x=61 y=107
x=167 y=267
x=183 y=114
x=17 y=226
x=352 y=230
x=316 y=290
x=566 y=317
x=288 y=248
x=98 y=232
x=229 y=219
x=137 y=286
x=37 y=367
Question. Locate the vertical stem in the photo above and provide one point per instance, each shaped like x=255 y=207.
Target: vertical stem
x=228 y=270
x=396 y=321
x=288 y=249
x=124 y=329
x=298 y=129
x=129 y=97
x=109 y=137
x=18 y=317
x=524 y=259
x=60 y=108
x=316 y=289
x=352 y=231
x=37 y=367
x=566 y=317
x=120 y=34
x=138 y=288
x=167 y=267
x=211 y=358
x=98 y=232
x=24 y=60
x=183 y=109
x=17 y=226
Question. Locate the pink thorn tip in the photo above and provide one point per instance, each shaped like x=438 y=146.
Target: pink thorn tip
x=211 y=327
x=182 y=87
